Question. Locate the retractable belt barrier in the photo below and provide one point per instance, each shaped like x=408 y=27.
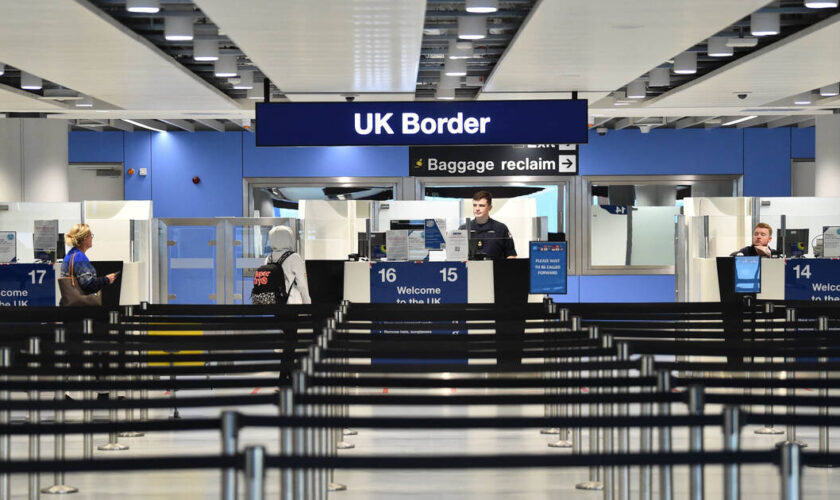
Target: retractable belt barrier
x=585 y=358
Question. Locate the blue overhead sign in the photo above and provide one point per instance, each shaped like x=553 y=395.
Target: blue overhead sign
x=25 y=285
x=422 y=123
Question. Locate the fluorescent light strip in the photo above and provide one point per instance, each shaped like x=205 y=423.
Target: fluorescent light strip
x=138 y=124
x=738 y=120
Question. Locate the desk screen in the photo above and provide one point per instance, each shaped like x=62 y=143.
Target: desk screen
x=747 y=274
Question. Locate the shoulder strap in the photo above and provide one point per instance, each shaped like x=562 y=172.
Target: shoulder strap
x=280 y=263
x=72 y=274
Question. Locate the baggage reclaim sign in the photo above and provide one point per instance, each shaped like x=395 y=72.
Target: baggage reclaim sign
x=485 y=161
x=421 y=123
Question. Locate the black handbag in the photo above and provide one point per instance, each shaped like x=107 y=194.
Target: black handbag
x=72 y=294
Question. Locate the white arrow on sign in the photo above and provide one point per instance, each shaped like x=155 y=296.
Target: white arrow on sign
x=566 y=163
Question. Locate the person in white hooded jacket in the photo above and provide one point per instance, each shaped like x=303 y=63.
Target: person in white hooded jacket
x=282 y=240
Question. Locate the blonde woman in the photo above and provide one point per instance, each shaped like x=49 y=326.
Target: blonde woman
x=80 y=238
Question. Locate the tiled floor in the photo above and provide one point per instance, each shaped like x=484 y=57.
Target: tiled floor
x=758 y=482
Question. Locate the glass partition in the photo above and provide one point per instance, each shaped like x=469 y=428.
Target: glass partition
x=798 y=223
x=631 y=222
x=20 y=217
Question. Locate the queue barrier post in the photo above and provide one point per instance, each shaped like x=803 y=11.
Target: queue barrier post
x=255 y=472
x=646 y=433
x=299 y=441
x=308 y=432
x=230 y=436
x=666 y=471
x=610 y=475
x=594 y=483
x=822 y=326
x=768 y=429
x=5 y=439
x=128 y=413
x=554 y=409
x=87 y=415
x=113 y=443
x=790 y=470
x=791 y=317
x=34 y=419
x=623 y=354
x=58 y=487
x=696 y=402
x=320 y=433
x=286 y=405
x=334 y=441
x=731 y=442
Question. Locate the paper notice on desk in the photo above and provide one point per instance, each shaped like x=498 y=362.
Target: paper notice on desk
x=435 y=229
x=45 y=237
x=457 y=246
x=831 y=241
x=8 y=246
x=417 y=245
x=396 y=244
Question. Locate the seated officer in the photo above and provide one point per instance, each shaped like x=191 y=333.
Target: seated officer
x=762 y=234
x=492 y=238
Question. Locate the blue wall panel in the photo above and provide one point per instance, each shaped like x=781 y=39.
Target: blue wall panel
x=377 y=161
x=766 y=162
x=572 y=291
x=138 y=154
x=663 y=152
x=95 y=147
x=803 y=142
x=636 y=288
x=215 y=157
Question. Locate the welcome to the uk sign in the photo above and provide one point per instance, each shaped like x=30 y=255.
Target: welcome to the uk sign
x=421 y=123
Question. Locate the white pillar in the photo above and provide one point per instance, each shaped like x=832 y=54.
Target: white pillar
x=827 y=178
x=33 y=160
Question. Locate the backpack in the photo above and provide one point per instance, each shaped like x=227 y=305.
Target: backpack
x=270 y=283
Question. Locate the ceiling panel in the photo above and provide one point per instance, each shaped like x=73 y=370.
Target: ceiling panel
x=16 y=100
x=330 y=97
x=602 y=45
x=799 y=63
x=73 y=44
x=307 y=46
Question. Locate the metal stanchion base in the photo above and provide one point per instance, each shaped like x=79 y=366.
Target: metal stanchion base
x=590 y=485
x=336 y=487
x=59 y=489
x=561 y=443
x=112 y=447
x=769 y=430
x=550 y=430
x=131 y=434
x=344 y=445
x=802 y=444
x=349 y=432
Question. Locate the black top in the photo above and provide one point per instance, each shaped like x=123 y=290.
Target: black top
x=493 y=240
x=750 y=251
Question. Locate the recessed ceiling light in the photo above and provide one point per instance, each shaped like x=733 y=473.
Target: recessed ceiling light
x=820 y=4
x=178 y=28
x=765 y=23
x=143 y=6
x=738 y=120
x=482 y=6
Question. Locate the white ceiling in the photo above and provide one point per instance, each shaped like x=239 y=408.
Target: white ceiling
x=602 y=45
x=327 y=46
x=803 y=61
x=74 y=44
x=324 y=50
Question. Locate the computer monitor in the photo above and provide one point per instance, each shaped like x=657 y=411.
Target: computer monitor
x=747 y=274
x=793 y=242
x=408 y=224
x=377 y=245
